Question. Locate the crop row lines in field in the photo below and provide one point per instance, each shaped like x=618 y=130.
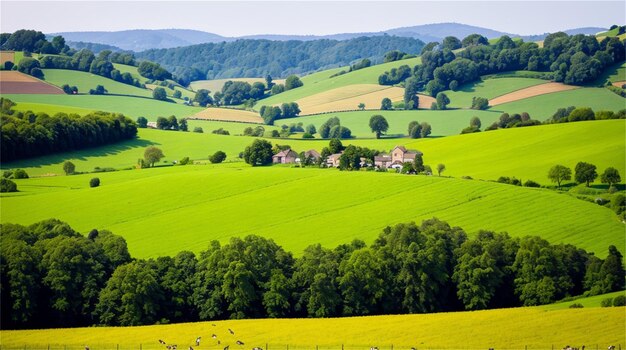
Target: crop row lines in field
x=269 y=346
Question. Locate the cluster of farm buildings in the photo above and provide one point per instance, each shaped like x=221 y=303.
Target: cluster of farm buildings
x=398 y=156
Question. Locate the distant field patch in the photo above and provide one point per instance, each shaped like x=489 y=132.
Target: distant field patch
x=12 y=82
x=348 y=98
x=619 y=84
x=531 y=91
x=217 y=84
x=7 y=56
x=487 y=88
x=229 y=114
x=85 y=81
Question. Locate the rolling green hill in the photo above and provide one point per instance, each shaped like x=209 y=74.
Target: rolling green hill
x=183 y=208
x=488 y=88
x=543 y=107
x=320 y=82
x=130 y=106
x=85 y=81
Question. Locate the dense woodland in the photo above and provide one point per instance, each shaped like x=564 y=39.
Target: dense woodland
x=54 y=277
x=26 y=134
x=573 y=60
x=258 y=58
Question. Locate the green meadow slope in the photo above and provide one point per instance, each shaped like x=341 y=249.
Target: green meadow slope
x=183 y=208
x=86 y=81
x=132 y=107
x=488 y=88
x=320 y=82
x=519 y=328
x=528 y=153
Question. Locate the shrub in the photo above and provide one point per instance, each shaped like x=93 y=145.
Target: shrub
x=184 y=161
x=531 y=183
x=198 y=129
x=619 y=300
x=576 y=306
x=177 y=94
x=7 y=185
x=307 y=135
x=20 y=174
x=95 y=182
x=606 y=302
x=480 y=103
x=220 y=131
x=217 y=157
x=69 y=168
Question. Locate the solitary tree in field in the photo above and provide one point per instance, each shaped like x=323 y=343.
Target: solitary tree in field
x=69 y=168
x=610 y=176
x=152 y=155
x=559 y=173
x=159 y=93
x=258 y=153
x=585 y=172
x=440 y=169
x=379 y=125
x=386 y=104
x=361 y=106
x=442 y=101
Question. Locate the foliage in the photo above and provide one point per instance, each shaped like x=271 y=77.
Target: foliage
x=559 y=173
x=152 y=155
x=160 y=94
x=379 y=125
x=585 y=172
x=292 y=82
x=94 y=182
x=152 y=70
x=258 y=58
x=28 y=135
x=610 y=176
x=258 y=153
x=386 y=104
x=99 y=90
x=217 y=157
x=69 y=168
x=203 y=98
x=442 y=101
x=7 y=185
x=479 y=103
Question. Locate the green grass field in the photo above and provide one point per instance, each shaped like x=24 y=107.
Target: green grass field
x=594 y=301
x=130 y=106
x=86 y=81
x=123 y=68
x=543 y=107
x=528 y=153
x=183 y=208
x=612 y=74
x=320 y=82
x=444 y=123
x=489 y=88
x=519 y=328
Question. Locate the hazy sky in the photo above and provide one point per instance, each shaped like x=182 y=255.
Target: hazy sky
x=236 y=18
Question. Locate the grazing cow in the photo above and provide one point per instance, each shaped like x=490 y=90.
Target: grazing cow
x=226 y=348
x=239 y=342
x=169 y=347
x=190 y=348
x=86 y=348
x=213 y=324
x=198 y=341
x=214 y=336
x=612 y=347
x=257 y=348
x=219 y=342
x=231 y=332
x=161 y=341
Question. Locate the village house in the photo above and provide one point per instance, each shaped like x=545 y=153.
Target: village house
x=333 y=160
x=398 y=156
x=312 y=154
x=284 y=157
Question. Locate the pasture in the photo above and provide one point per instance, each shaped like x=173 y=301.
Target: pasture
x=85 y=81
x=444 y=123
x=612 y=74
x=532 y=91
x=132 y=107
x=488 y=88
x=543 y=107
x=593 y=301
x=13 y=82
x=123 y=68
x=229 y=114
x=528 y=153
x=322 y=81
x=185 y=207
x=519 y=328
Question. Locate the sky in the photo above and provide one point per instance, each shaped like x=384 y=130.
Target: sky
x=238 y=18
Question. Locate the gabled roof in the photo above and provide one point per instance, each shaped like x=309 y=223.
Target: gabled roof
x=286 y=153
x=312 y=152
x=400 y=148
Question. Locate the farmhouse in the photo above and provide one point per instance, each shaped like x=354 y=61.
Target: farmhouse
x=284 y=157
x=152 y=125
x=333 y=160
x=312 y=154
x=398 y=156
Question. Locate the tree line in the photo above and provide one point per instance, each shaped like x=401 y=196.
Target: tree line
x=574 y=60
x=26 y=134
x=258 y=58
x=53 y=276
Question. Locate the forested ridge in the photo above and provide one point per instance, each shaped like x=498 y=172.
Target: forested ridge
x=53 y=276
x=258 y=58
